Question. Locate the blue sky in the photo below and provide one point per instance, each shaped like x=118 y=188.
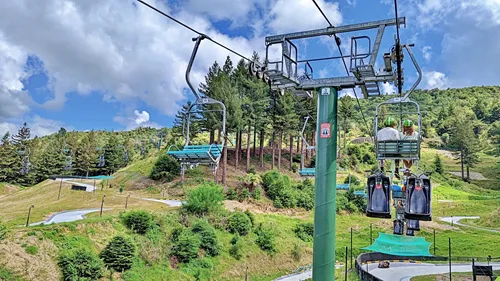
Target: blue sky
x=114 y=65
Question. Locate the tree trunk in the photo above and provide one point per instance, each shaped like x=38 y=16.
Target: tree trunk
x=274 y=149
x=468 y=173
x=261 y=149
x=224 y=161
x=249 y=131
x=462 y=164
x=218 y=136
x=212 y=136
x=307 y=150
x=254 y=141
x=291 y=151
x=237 y=149
x=279 y=150
x=298 y=145
x=240 y=144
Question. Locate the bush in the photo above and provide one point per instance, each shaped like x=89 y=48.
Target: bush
x=295 y=167
x=265 y=239
x=257 y=193
x=206 y=198
x=235 y=250
x=208 y=238
x=239 y=223
x=3 y=231
x=118 y=254
x=244 y=194
x=81 y=264
x=305 y=195
x=297 y=252
x=250 y=216
x=231 y=194
x=304 y=231
x=186 y=246
x=31 y=249
x=165 y=168
x=138 y=221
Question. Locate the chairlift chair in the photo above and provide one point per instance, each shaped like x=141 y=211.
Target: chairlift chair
x=194 y=155
x=305 y=172
x=379 y=196
x=413 y=224
x=418 y=198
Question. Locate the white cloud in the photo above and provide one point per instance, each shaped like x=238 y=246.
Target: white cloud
x=136 y=119
x=296 y=15
x=38 y=126
x=434 y=79
x=351 y=2
x=235 y=10
x=426 y=53
x=120 y=48
x=141 y=117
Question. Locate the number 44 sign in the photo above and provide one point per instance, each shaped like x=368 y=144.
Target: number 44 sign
x=324 y=130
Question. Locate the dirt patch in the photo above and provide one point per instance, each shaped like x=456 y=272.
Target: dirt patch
x=472 y=175
x=40 y=266
x=446 y=153
x=262 y=208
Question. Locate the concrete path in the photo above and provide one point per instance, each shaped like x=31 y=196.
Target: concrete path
x=456 y=221
x=404 y=271
x=172 y=203
x=68 y=216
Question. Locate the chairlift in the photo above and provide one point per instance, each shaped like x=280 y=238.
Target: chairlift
x=413 y=224
x=379 y=196
x=399 y=227
x=306 y=172
x=418 y=198
x=102 y=161
x=69 y=163
x=125 y=156
x=193 y=155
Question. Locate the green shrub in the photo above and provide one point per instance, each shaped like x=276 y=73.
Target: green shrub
x=138 y=221
x=244 y=194
x=236 y=248
x=265 y=239
x=8 y=275
x=250 y=216
x=296 y=252
x=186 y=246
x=231 y=194
x=304 y=231
x=165 y=168
x=295 y=167
x=239 y=223
x=80 y=264
x=118 y=254
x=208 y=237
x=206 y=198
x=31 y=249
x=305 y=195
x=257 y=193
x=3 y=231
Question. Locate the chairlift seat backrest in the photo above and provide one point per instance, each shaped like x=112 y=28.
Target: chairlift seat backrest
x=398 y=149
x=398 y=227
x=413 y=224
x=418 y=198
x=307 y=172
x=344 y=186
x=196 y=152
x=379 y=196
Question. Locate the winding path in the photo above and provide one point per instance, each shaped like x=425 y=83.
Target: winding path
x=456 y=221
x=68 y=216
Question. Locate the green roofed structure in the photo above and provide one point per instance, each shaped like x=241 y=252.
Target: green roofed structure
x=400 y=245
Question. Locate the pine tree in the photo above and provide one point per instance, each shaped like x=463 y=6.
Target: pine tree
x=52 y=162
x=438 y=165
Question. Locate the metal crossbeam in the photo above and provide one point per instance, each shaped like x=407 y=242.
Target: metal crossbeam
x=344 y=82
x=333 y=30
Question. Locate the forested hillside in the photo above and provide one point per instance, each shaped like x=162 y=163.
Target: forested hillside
x=466 y=121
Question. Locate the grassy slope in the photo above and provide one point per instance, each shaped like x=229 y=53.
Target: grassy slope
x=96 y=232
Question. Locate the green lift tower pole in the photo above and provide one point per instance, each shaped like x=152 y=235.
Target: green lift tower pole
x=325 y=188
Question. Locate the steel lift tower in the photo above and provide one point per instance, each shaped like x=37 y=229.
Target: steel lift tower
x=283 y=75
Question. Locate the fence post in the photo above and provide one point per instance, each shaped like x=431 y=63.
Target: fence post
x=345 y=263
x=434 y=241
x=449 y=254
x=351 y=248
x=371 y=238
x=473 y=271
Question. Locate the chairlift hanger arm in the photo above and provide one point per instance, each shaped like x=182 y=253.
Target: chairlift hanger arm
x=408 y=49
x=302 y=134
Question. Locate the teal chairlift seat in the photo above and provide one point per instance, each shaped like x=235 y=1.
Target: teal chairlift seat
x=193 y=155
x=343 y=186
x=303 y=171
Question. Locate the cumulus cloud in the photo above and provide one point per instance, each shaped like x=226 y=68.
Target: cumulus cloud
x=289 y=16
x=120 y=48
x=135 y=119
x=462 y=24
x=39 y=126
x=434 y=79
x=387 y=89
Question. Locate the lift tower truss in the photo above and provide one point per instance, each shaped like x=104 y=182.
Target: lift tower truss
x=283 y=75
